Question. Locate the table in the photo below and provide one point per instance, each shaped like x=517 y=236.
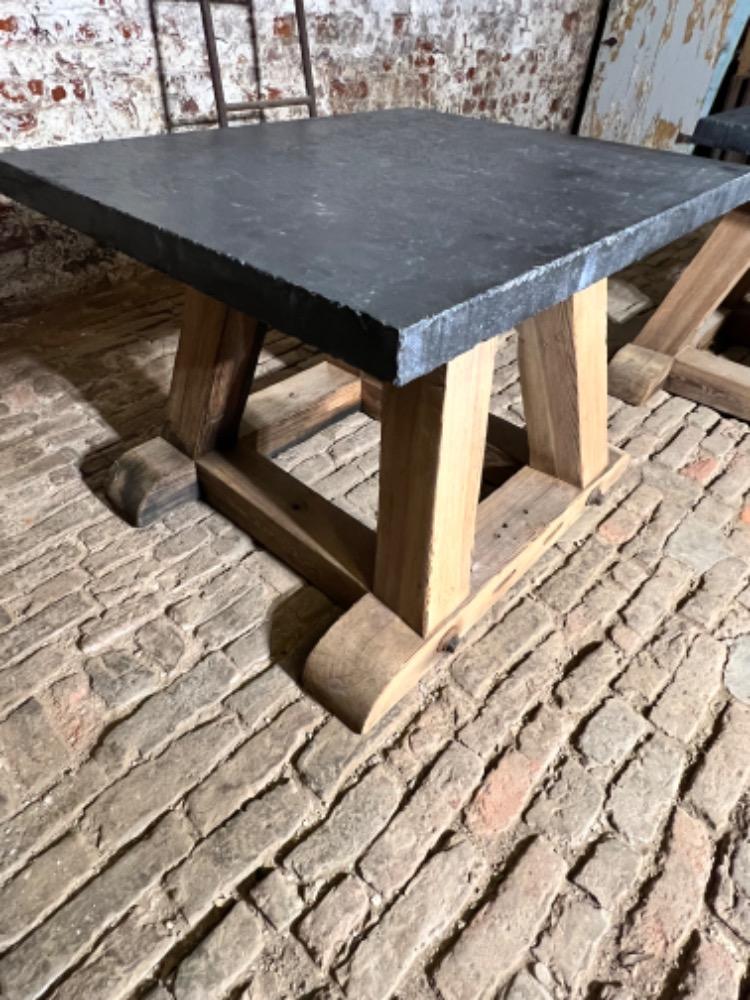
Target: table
x=400 y=243
x=673 y=348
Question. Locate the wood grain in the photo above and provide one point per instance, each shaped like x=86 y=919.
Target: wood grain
x=720 y=264
x=296 y=407
x=433 y=434
x=329 y=547
x=712 y=380
x=214 y=367
x=149 y=480
x=562 y=361
x=636 y=372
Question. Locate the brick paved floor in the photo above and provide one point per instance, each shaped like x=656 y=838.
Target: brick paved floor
x=561 y=811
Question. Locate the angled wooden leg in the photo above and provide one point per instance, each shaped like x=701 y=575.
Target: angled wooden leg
x=213 y=372
x=433 y=434
x=719 y=267
x=562 y=361
x=214 y=367
x=370 y=658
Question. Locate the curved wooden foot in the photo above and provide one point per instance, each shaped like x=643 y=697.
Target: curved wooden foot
x=149 y=480
x=370 y=657
x=635 y=373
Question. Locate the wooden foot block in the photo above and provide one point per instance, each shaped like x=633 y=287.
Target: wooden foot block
x=635 y=373
x=370 y=657
x=151 y=479
x=712 y=380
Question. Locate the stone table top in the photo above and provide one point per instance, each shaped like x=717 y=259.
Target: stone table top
x=725 y=130
x=394 y=240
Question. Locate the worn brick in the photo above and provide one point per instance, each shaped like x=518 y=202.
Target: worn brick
x=416 y=921
x=285 y=970
x=518 y=632
x=683 y=704
x=610 y=733
x=34 y=965
x=277 y=896
x=353 y=823
x=665 y=917
x=568 y=805
x=252 y=766
x=146 y=791
x=719 y=585
x=399 y=850
x=233 y=851
x=569 y=944
x=725 y=767
x=568 y=585
x=504 y=927
x=609 y=873
x=584 y=682
x=657 y=597
x=44 y=626
x=640 y=797
x=167 y=713
x=33 y=750
x=334 y=920
x=712 y=972
x=221 y=958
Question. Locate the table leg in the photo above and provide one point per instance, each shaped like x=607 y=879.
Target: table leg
x=420 y=610
x=433 y=435
x=677 y=326
x=214 y=367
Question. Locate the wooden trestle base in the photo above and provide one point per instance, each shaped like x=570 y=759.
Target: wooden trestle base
x=440 y=557
x=673 y=349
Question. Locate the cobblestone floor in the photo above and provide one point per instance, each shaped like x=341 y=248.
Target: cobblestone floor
x=560 y=811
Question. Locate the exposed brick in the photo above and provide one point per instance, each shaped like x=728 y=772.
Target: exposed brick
x=502 y=795
x=352 y=824
x=32 y=749
x=719 y=585
x=568 y=805
x=43 y=885
x=518 y=632
x=399 y=850
x=42 y=957
x=500 y=931
x=569 y=944
x=583 y=684
x=44 y=626
x=167 y=713
x=657 y=597
x=610 y=733
x=251 y=767
x=278 y=898
x=129 y=805
x=640 y=797
x=568 y=585
x=233 y=851
x=206 y=971
x=415 y=922
x=666 y=916
x=725 y=767
x=334 y=920
x=684 y=703
x=285 y=970
x=609 y=873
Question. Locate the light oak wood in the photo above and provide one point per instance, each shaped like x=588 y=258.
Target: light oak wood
x=562 y=361
x=712 y=380
x=370 y=657
x=433 y=434
x=213 y=371
x=327 y=546
x=150 y=480
x=635 y=373
x=709 y=278
x=298 y=406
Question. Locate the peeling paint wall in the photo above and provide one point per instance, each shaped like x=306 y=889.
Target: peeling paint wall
x=656 y=65
x=80 y=70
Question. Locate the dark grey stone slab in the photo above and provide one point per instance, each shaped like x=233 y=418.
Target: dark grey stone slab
x=725 y=130
x=395 y=240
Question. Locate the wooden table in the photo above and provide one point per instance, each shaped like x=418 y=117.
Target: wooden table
x=673 y=348
x=400 y=243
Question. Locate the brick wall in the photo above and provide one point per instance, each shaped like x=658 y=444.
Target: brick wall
x=82 y=70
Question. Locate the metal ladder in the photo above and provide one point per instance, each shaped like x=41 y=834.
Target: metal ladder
x=224 y=109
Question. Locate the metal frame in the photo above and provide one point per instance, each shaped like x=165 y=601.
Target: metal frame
x=225 y=109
